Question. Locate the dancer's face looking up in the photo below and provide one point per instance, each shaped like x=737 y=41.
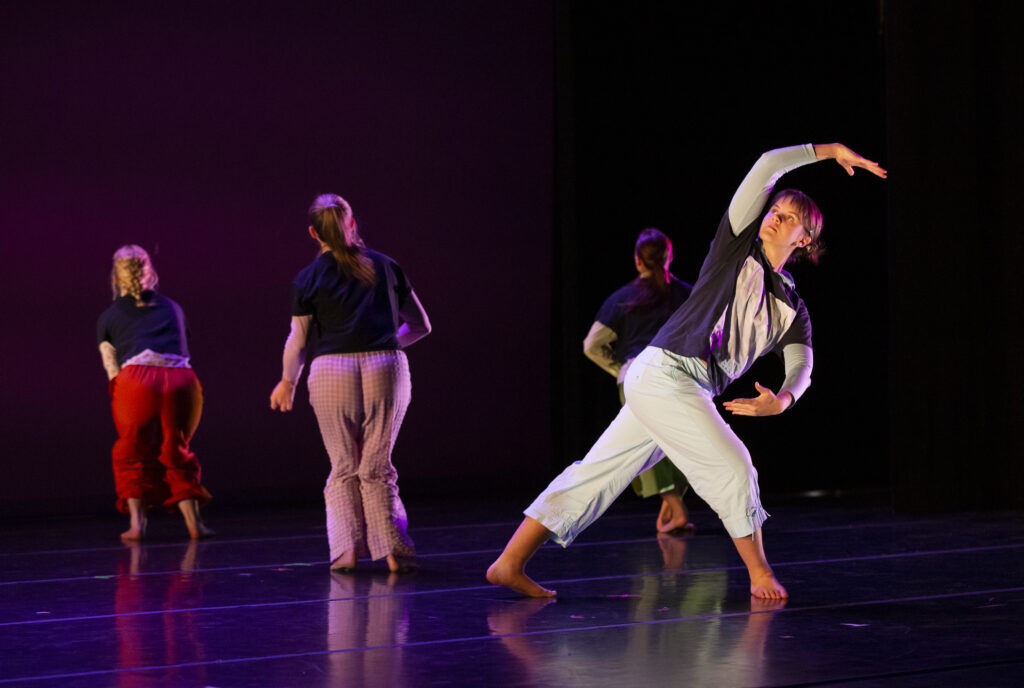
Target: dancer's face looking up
x=782 y=226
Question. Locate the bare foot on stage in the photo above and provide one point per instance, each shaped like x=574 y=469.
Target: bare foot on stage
x=345 y=563
x=134 y=534
x=200 y=531
x=765 y=586
x=398 y=564
x=673 y=514
x=511 y=576
x=137 y=526
x=197 y=530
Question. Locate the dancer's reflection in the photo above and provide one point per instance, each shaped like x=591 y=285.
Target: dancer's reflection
x=751 y=643
x=706 y=644
x=367 y=612
x=673 y=552
x=176 y=639
x=700 y=640
x=507 y=620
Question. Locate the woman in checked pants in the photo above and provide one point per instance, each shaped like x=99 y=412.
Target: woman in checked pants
x=364 y=312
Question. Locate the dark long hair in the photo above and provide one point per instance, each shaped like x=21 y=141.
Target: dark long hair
x=654 y=250
x=329 y=216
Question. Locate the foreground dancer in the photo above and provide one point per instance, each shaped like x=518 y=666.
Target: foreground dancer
x=743 y=306
x=364 y=312
x=155 y=396
x=623 y=327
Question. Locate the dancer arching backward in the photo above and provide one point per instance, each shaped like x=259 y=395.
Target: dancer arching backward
x=155 y=396
x=624 y=326
x=364 y=312
x=742 y=306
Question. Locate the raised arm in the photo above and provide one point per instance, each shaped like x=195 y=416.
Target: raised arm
x=292 y=362
x=756 y=187
x=415 y=323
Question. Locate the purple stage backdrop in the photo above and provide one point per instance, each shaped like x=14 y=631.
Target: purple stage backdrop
x=202 y=131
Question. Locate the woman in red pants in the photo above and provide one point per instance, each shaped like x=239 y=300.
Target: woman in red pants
x=155 y=396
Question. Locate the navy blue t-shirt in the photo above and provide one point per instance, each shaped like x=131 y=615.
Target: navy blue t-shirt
x=636 y=326
x=700 y=328
x=349 y=316
x=158 y=326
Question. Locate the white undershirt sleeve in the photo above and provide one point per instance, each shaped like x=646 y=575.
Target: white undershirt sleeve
x=753 y=192
x=798 y=360
x=294 y=357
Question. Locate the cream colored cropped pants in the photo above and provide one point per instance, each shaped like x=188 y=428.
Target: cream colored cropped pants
x=668 y=405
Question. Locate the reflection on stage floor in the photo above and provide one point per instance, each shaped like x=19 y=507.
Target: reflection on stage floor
x=875 y=600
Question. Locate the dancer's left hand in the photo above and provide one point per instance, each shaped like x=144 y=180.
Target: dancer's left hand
x=766 y=403
x=848 y=159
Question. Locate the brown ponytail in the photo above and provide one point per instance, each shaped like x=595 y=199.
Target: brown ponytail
x=654 y=251
x=329 y=216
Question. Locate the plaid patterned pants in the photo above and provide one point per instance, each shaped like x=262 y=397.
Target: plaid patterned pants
x=360 y=400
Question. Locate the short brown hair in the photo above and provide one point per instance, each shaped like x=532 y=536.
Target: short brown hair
x=810 y=218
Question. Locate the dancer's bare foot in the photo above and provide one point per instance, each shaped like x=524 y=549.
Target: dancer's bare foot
x=345 y=563
x=502 y=572
x=401 y=564
x=762 y=580
x=137 y=526
x=764 y=585
x=673 y=514
x=197 y=530
x=200 y=532
x=133 y=534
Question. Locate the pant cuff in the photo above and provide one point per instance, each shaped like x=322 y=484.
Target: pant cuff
x=561 y=528
x=744 y=525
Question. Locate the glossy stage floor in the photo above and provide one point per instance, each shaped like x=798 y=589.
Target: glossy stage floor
x=877 y=600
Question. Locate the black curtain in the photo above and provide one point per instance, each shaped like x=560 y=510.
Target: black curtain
x=954 y=90
x=661 y=110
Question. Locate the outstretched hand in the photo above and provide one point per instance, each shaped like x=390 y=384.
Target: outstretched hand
x=848 y=159
x=766 y=403
x=283 y=396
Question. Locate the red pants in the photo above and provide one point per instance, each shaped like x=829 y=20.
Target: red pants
x=156 y=411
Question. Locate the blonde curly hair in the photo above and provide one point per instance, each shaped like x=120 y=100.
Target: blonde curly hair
x=132 y=272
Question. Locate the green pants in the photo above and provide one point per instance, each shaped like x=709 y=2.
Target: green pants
x=661 y=477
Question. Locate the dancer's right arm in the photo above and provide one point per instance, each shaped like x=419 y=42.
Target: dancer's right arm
x=109 y=356
x=292 y=362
